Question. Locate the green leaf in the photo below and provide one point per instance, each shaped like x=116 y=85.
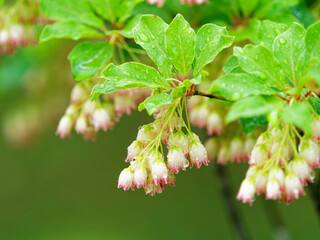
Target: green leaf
x=232 y=63
x=259 y=61
x=74 y=10
x=268 y=31
x=252 y=106
x=300 y=115
x=235 y=86
x=129 y=75
x=87 y=58
x=150 y=35
x=153 y=103
x=249 y=124
x=314 y=72
x=116 y=11
x=313 y=40
x=180 y=44
x=315 y=103
x=210 y=40
x=129 y=26
x=290 y=50
x=68 y=29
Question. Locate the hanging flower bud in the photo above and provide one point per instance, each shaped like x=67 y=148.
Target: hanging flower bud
x=236 y=150
x=309 y=150
x=159 y=3
x=159 y=171
x=247 y=191
x=214 y=123
x=278 y=174
x=151 y=188
x=145 y=135
x=177 y=160
x=180 y=140
x=191 y=2
x=81 y=124
x=293 y=188
x=172 y=178
x=65 y=126
x=212 y=148
x=124 y=104
x=152 y=157
x=301 y=169
x=102 y=119
x=273 y=189
x=224 y=154
x=89 y=107
x=140 y=177
x=259 y=155
x=199 y=116
x=316 y=129
x=134 y=150
x=261 y=180
x=198 y=154
x=78 y=94
x=248 y=147
x=125 y=179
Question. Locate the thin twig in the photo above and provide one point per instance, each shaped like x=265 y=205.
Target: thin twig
x=208 y=95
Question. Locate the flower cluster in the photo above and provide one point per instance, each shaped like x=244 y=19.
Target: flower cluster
x=206 y=114
x=224 y=149
x=160 y=3
x=88 y=117
x=17 y=26
x=148 y=167
x=281 y=163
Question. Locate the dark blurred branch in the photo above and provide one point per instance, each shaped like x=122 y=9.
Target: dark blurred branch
x=196 y=92
x=230 y=202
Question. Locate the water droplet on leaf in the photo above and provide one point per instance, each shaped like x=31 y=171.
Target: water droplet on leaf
x=282 y=40
x=144 y=37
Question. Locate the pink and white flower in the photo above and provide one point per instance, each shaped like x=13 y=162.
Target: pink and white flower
x=125 y=179
x=145 y=135
x=152 y=188
x=223 y=155
x=159 y=171
x=177 y=160
x=247 y=191
x=64 y=126
x=212 y=148
x=78 y=94
x=214 y=123
x=236 y=150
x=134 y=150
x=301 y=169
x=124 y=104
x=316 y=129
x=261 y=180
x=81 y=124
x=273 y=189
x=259 y=155
x=293 y=188
x=159 y=3
x=309 y=150
x=102 y=119
x=89 y=107
x=198 y=154
x=191 y=2
x=179 y=140
x=140 y=177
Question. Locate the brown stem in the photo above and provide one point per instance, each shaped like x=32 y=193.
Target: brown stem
x=196 y=92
